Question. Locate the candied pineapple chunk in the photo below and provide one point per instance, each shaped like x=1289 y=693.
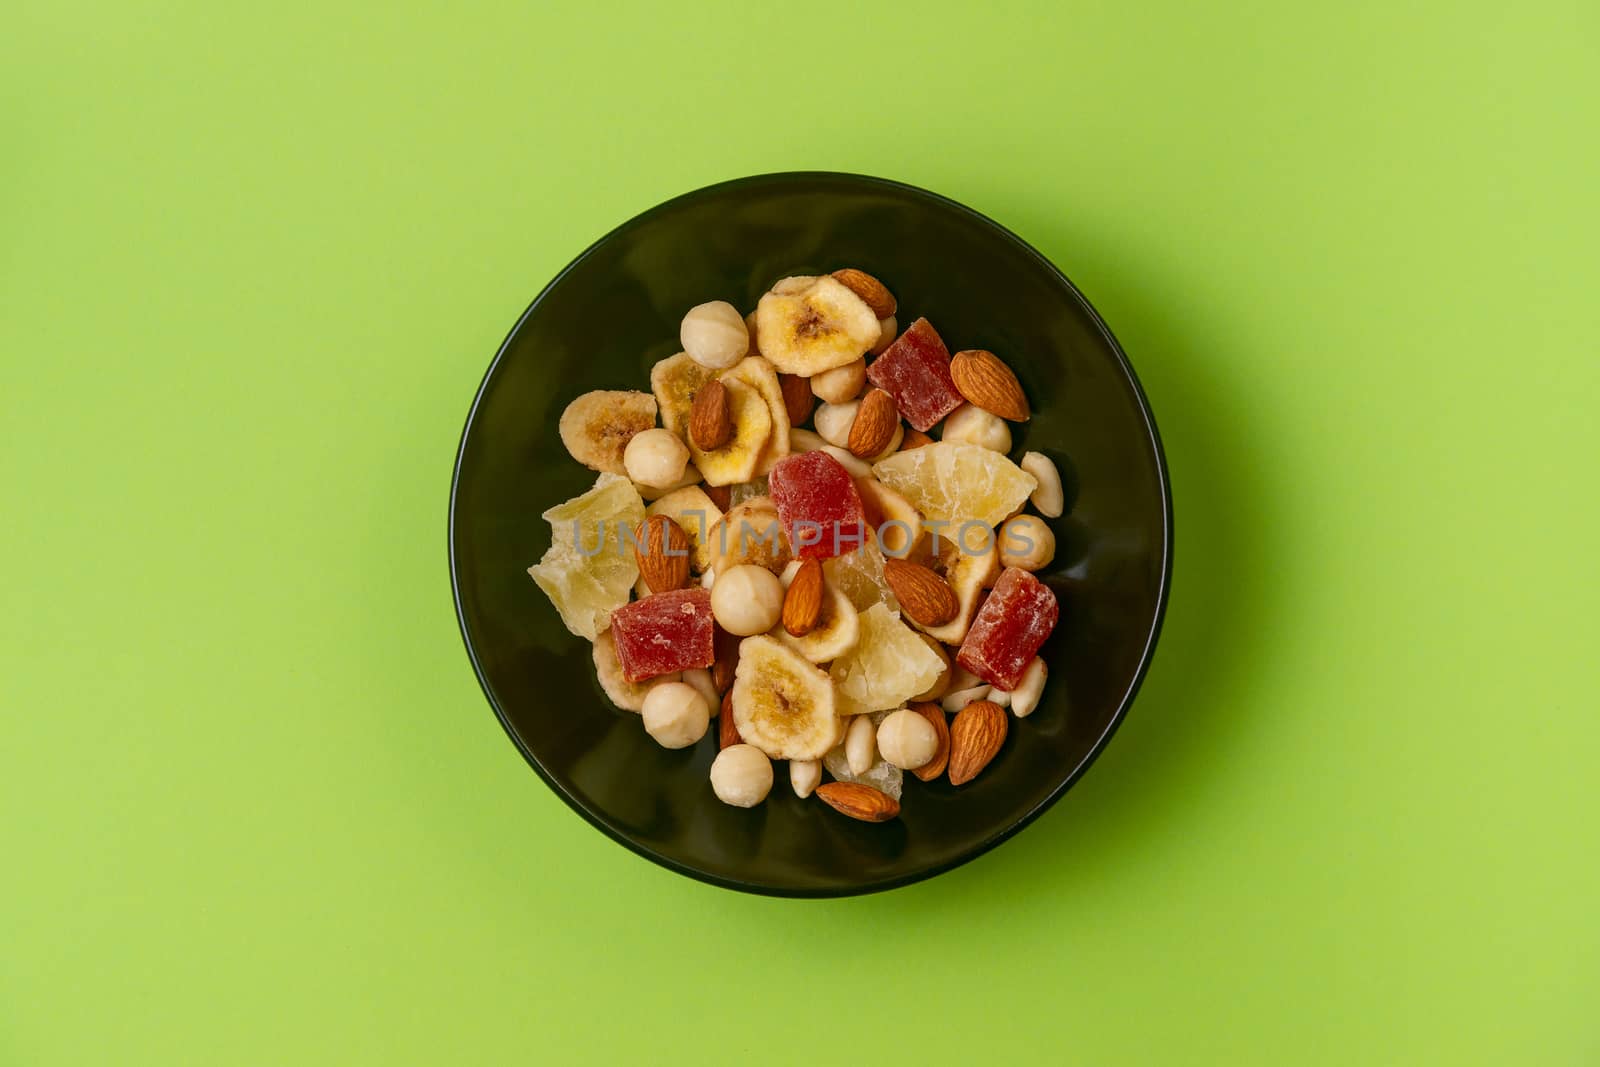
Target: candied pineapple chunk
x=889 y=665
x=587 y=572
x=859 y=576
x=956 y=483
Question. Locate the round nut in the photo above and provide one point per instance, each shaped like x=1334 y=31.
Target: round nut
x=675 y=714
x=700 y=679
x=655 y=457
x=976 y=426
x=888 y=330
x=1047 y=497
x=841 y=384
x=834 y=422
x=1026 y=542
x=860 y=744
x=804 y=776
x=714 y=335
x=907 y=740
x=747 y=600
x=741 y=775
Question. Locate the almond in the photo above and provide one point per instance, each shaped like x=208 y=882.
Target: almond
x=802 y=603
x=727 y=731
x=914 y=439
x=662 y=551
x=869 y=289
x=941 y=756
x=859 y=801
x=797 y=397
x=727 y=661
x=923 y=595
x=975 y=739
x=721 y=496
x=989 y=384
x=710 y=421
x=874 y=424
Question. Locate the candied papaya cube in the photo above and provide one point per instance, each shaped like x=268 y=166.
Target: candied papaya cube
x=915 y=370
x=818 y=505
x=663 y=633
x=1012 y=624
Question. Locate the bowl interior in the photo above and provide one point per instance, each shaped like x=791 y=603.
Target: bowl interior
x=602 y=324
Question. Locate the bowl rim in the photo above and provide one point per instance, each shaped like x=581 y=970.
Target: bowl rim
x=1001 y=834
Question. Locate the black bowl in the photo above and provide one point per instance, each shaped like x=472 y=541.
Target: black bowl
x=606 y=319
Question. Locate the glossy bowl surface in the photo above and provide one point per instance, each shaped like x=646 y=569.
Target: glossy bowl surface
x=601 y=324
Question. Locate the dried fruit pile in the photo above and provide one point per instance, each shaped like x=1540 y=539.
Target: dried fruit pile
x=833 y=593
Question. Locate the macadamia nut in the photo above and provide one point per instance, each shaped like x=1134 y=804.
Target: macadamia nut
x=1026 y=542
x=741 y=775
x=833 y=422
x=655 y=457
x=841 y=384
x=907 y=740
x=714 y=335
x=747 y=600
x=700 y=679
x=976 y=426
x=1048 y=496
x=675 y=714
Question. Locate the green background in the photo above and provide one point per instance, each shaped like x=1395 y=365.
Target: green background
x=253 y=262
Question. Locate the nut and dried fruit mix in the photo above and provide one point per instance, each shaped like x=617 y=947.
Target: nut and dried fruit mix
x=856 y=598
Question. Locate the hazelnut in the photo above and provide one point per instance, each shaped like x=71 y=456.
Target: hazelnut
x=841 y=384
x=655 y=457
x=700 y=679
x=1026 y=542
x=675 y=714
x=714 y=335
x=741 y=775
x=747 y=600
x=833 y=422
x=976 y=426
x=907 y=740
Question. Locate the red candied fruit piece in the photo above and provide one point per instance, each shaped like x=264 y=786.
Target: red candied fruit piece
x=663 y=633
x=1012 y=624
x=818 y=505
x=915 y=370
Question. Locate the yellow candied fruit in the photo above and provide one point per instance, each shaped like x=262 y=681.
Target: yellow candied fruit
x=956 y=483
x=589 y=570
x=889 y=665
